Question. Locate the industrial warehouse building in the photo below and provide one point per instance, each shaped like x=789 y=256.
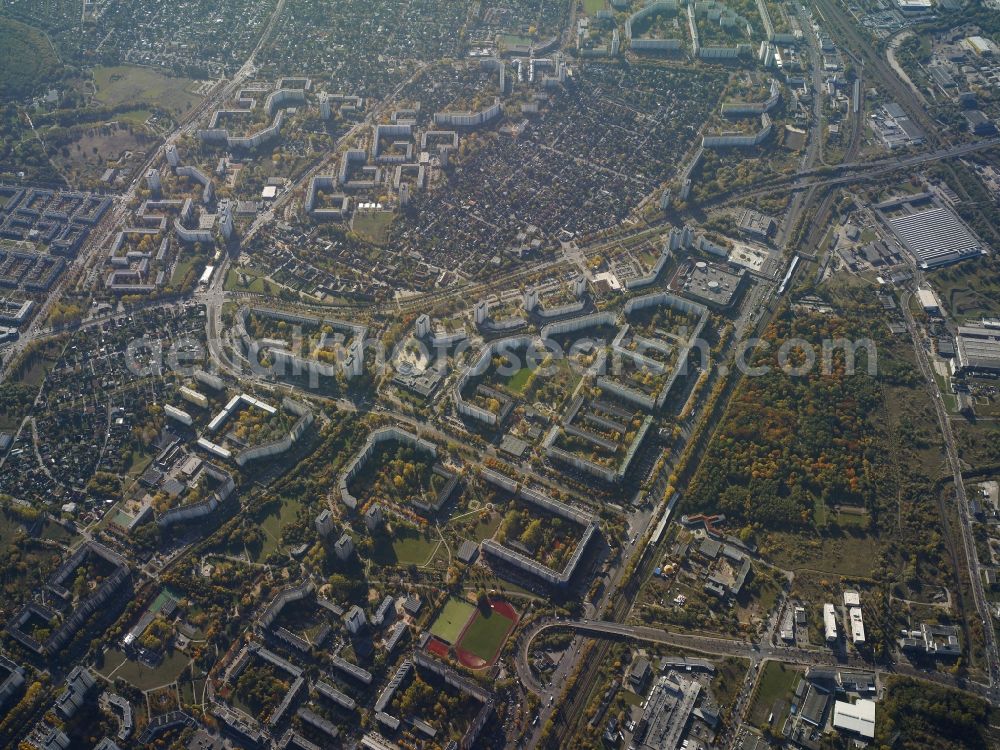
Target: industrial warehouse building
x=977 y=350
x=931 y=233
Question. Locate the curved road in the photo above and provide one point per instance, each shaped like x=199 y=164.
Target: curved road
x=718 y=646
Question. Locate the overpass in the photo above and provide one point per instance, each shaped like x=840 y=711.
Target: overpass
x=711 y=645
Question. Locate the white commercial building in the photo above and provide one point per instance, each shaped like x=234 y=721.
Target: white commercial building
x=857 y=626
x=830 y=622
x=929 y=301
x=858 y=718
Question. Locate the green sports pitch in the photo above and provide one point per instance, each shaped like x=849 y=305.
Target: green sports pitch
x=448 y=626
x=485 y=635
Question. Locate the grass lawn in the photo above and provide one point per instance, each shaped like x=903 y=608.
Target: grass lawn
x=137 y=463
x=487 y=527
x=184 y=264
x=510 y=40
x=245 y=280
x=116 y=664
x=122 y=84
x=768 y=594
x=34 y=375
x=54 y=531
x=492 y=583
x=406 y=546
x=448 y=625
x=135 y=117
x=486 y=635
x=776 y=683
x=851 y=516
x=631 y=698
x=410 y=546
x=519 y=379
x=272 y=525
x=373 y=226
x=191 y=692
x=949 y=398
x=590 y=7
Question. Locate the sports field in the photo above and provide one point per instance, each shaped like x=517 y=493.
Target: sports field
x=485 y=635
x=453 y=618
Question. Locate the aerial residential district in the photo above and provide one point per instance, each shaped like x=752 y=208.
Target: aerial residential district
x=454 y=374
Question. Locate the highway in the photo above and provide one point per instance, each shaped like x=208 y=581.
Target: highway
x=759 y=651
x=88 y=261
x=814 y=148
x=710 y=645
x=962 y=510
x=812 y=186
x=849 y=173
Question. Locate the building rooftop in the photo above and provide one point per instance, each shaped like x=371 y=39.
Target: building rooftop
x=709 y=283
x=858 y=718
x=933 y=235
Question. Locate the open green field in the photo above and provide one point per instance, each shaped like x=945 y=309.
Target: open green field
x=273 y=524
x=373 y=226
x=124 y=84
x=116 y=664
x=412 y=547
x=405 y=546
x=776 y=685
x=519 y=379
x=448 y=625
x=137 y=462
x=729 y=675
x=134 y=117
x=27 y=59
x=485 y=635
x=590 y=7
x=510 y=40
x=187 y=263
x=850 y=553
x=246 y=280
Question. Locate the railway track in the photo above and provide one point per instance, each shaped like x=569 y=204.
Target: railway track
x=571 y=711
x=863 y=48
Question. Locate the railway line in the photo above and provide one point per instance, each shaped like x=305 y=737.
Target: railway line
x=878 y=69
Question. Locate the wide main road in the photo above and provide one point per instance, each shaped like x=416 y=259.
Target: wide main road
x=720 y=646
x=848 y=173
x=89 y=261
x=983 y=607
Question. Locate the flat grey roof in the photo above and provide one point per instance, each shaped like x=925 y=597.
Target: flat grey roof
x=934 y=236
